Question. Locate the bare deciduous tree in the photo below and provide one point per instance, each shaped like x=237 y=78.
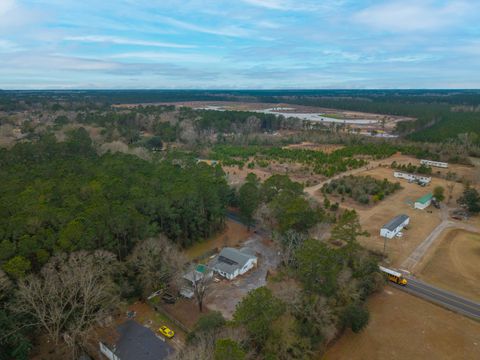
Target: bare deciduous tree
x=290 y=242
x=156 y=263
x=70 y=295
x=201 y=283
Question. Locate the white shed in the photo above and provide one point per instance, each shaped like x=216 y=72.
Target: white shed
x=394 y=226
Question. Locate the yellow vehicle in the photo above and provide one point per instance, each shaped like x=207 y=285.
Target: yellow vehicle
x=165 y=331
x=394 y=276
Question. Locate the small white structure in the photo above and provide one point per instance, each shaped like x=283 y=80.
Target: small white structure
x=109 y=353
x=423 y=202
x=412 y=177
x=394 y=226
x=434 y=163
x=232 y=262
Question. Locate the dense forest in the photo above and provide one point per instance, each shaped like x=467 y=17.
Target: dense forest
x=64 y=197
x=441 y=114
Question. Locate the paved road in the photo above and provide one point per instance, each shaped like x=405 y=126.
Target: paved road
x=442 y=297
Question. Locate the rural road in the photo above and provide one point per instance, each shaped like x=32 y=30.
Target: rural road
x=442 y=297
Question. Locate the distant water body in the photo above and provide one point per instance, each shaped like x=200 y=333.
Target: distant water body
x=316 y=117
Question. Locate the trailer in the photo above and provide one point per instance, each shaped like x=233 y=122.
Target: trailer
x=394 y=276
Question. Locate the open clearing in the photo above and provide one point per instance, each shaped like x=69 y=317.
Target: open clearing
x=454 y=263
x=405 y=327
x=297 y=172
x=373 y=217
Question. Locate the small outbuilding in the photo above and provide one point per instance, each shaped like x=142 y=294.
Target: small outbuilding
x=423 y=202
x=232 y=262
x=394 y=226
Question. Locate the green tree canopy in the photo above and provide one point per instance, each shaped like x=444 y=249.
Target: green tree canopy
x=256 y=312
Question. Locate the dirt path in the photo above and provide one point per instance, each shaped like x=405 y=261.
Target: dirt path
x=420 y=251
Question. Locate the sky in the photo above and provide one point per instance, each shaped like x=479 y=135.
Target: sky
x=239 y=44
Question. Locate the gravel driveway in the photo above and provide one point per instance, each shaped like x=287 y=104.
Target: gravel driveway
x=225 y=295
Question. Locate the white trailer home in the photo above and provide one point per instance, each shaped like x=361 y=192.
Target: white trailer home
x=412 y=177
x=434 y=163
x=394 y=226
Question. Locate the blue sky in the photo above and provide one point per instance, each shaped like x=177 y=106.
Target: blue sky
x=262 y=44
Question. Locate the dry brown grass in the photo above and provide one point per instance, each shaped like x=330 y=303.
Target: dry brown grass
x=405 y=327
x=454 y=263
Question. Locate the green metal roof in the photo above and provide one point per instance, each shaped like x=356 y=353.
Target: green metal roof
x=425 y=198
x=201 y=268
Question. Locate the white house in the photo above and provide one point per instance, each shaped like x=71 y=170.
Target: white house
x=394 y=226
x=232 y=262
x=423 y=202
x=434 y=163
x=412 y=177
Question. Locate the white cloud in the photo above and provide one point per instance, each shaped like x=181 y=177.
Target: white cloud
x=270 y=4
x=124 y=41
x=410 y=16
x=171 y=57
x=232 y=31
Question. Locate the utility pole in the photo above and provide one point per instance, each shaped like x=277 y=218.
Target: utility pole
x=384 y=246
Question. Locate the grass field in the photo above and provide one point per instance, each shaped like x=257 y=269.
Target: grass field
x=454 y=263
x=405 y=327
x=373 y=217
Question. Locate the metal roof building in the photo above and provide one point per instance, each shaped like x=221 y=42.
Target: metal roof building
x=232 y=262
x=394 y=226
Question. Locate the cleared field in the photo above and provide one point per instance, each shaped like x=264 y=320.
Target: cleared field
x=405 y=327
x=297 y=172
x=373 y=217
x=453 y=264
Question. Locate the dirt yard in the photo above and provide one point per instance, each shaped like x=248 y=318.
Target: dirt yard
x=405 y=327
x=373 y=217
x=225 y=295
x=233 y=234
x=453 y=264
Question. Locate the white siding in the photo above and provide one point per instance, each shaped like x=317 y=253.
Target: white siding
x=412 y=177
x=105 y=350
x=390 y=234
x=422 y=206
x=434 y=163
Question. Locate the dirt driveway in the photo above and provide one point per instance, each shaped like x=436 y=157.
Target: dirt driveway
x=225 y=295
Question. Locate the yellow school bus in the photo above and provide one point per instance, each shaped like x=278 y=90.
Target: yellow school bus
x=394 y=276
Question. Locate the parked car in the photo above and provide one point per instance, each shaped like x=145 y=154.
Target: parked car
x=167 y=332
